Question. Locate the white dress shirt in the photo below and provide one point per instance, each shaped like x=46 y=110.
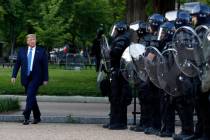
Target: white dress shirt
x=33 y=53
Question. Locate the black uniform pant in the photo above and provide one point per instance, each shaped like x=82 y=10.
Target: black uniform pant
x=204 y=110
x=184 y=105
x=167 y=114
x=149 y=97
x=120 y=98
x=31 y=102
x=143 y=89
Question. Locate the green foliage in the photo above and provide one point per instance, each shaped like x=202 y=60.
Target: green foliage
x=8 y=104
x=51 y=26
x=56 y=22
x=61 y=82
x=149 y=8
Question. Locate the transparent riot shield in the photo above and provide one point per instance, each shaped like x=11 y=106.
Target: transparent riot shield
x=170 y=77
x=127 y=68
x=205 y=77
x=105 y=53
x=137 y=52
x=201 y=31
x=152 y=55
x=189 y=54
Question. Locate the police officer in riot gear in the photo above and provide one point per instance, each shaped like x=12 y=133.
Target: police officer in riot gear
x=152 y=98
x=184 y=104
x=96 y=50
x=201 y=16
x=142 y=33
x=142 y=86
x=121 y=95
x=183 y=19
x=165 y=35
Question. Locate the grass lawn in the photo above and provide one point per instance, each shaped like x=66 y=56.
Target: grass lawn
x=8 y=104
x=61 y=82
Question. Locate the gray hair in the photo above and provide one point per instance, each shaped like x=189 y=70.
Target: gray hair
x=31 y=36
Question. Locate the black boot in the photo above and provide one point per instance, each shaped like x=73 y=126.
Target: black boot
x=137 y=128
x=117 y=126
x=165 y=134
x=182 y=136
x=151 y=131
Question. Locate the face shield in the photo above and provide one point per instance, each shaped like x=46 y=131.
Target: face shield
x=113 y=31
x=161 y=34
x=153 y=27
x=134 y=26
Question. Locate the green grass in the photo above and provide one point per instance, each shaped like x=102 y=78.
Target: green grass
x=8 y=104
x=61 y=82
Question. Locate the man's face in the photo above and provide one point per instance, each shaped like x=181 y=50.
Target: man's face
x=194 y=20
x=31 y=41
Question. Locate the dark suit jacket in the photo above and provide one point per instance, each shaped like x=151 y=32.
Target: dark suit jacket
x=40 y=66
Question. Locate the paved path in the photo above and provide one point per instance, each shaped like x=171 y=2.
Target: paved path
x=42 y=131
x=76 y=109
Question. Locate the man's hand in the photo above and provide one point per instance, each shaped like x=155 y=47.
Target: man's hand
x=13 y=80
x=151 y=56
x=45 y=82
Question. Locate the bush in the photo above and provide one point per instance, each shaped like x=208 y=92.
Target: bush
x=8 y=104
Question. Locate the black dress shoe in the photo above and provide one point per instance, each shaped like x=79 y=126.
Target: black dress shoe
x=36 y=121
x=117 y=126
x=26 y=122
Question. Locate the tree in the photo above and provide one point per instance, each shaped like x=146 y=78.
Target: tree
x=84 y=18
x=50 y=29
x=135 y=10
x=56 y=21
x=162 y=6
x=11 y=26
x=141 y=9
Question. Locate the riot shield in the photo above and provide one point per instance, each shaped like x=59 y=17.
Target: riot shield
x=137 y=52
x=201 y=31
x=133 y=30
x=169 y=75
x=127 y=67
x=205 y=77
x=189 y=54
x=105 y=51
x=152 y=55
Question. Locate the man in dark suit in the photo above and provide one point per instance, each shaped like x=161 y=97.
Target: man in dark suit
x=34 y=72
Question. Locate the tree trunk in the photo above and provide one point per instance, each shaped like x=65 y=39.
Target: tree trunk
x=135 y=10
x=162 y=6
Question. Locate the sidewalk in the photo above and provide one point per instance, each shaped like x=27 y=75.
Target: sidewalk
x=74 y=109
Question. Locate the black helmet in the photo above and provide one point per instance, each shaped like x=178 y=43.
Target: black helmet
x=202 y=12
x=155 y=21
x=183 y=19
x=142 y=29
x=166 y=31
x=100 y=31
x=119 y=28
